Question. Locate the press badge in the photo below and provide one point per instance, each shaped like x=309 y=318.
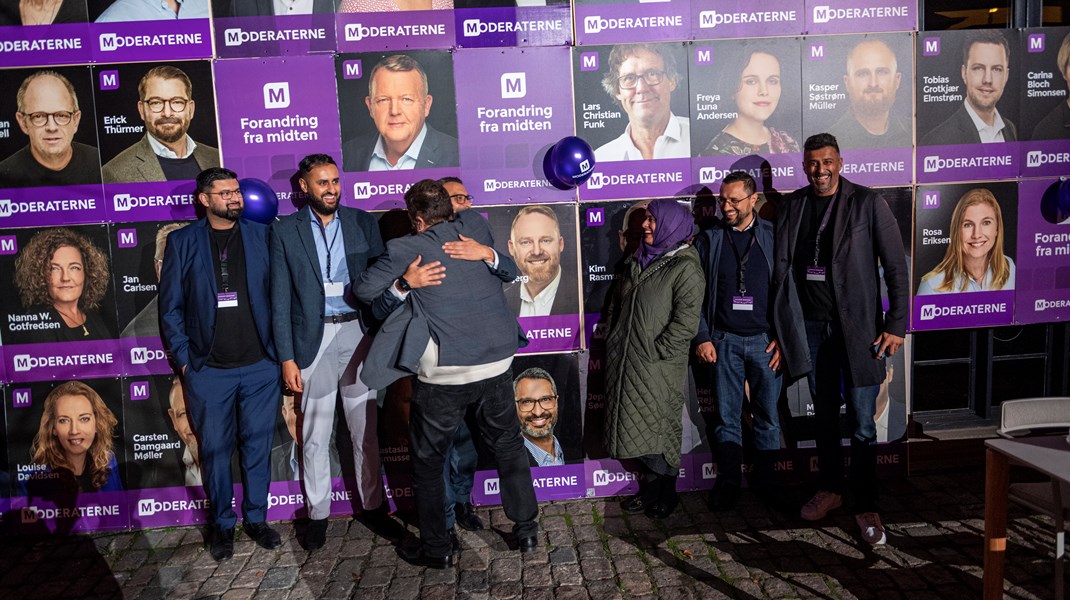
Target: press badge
x=742 y=302
x=333 y=290
x=226 y=299
x=815 y=273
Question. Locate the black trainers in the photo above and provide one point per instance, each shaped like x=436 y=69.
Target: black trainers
x=263 y=535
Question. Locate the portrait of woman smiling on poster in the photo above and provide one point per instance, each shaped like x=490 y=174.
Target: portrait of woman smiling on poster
x=61 y=271
x=757 y=95
x=75 y=438
x=974 y=261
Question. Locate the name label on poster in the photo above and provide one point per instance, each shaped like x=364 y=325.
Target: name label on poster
x=938 y=88
x=708 y=19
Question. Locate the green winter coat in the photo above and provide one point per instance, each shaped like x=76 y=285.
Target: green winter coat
x=653 y=316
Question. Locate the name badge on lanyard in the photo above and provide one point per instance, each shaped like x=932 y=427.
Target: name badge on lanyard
x=742 y=302
x=815 y=273
x=332 y=289
x=226 y=300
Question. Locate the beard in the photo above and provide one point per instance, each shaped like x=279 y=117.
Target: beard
x=228 y=213
x=174 y=135
x=874 y=106
x=544 y=272
x=322 y=207
x=541 y=433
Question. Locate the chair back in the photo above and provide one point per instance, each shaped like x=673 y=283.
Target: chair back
x=1029 y=414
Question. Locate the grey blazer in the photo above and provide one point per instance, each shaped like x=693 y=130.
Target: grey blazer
x=138 y=163
x=439 y=150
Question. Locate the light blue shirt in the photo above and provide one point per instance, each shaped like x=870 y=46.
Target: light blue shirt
x=332 y=236
x=153 y=10
x=544 y=458
x=407 y=160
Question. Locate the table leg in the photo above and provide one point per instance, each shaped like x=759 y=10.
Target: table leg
x=997 y=482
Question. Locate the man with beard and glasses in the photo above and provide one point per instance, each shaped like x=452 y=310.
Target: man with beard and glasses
x=743 y=331
x=215 y=320
x=536 y=245
x=167 y=152
x=536 y=407
x=872 y=80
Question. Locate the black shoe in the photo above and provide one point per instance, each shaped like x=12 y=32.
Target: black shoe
x=455 y=543
x=528 y=544
x=723 y=497
x=264 y=535
x=316 y=535
x=634 y=504
x=221 y=543
x=663 y=507
x=467 y=517
x=414 y=555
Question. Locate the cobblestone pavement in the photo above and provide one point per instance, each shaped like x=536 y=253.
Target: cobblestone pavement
x=590 y=550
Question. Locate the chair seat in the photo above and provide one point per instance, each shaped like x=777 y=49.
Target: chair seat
x=1038 y=497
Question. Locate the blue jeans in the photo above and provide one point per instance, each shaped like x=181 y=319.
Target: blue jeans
x=829 y=389
x=459 y=471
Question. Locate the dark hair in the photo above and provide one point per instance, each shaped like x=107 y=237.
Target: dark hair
x=450 y=179
x=819 y=141
x=535 y=373
x=621 y=52
x=428 y=200
x=165 y=72
x=985 y=36
x=314 y=160
x=748 y=181
x=207 y=177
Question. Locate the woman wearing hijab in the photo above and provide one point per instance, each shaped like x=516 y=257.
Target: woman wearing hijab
x=652 y=318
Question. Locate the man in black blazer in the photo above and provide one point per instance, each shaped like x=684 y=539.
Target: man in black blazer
x=398 y=102
x=831 y=235
x=461 y=357
x=216 y=323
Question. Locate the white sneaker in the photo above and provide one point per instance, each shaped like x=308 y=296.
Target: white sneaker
x=820 y=505
x=869 y=524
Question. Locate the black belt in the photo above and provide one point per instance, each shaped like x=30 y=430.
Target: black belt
x=347 y=317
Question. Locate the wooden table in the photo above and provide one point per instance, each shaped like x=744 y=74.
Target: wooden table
x=1049 y=455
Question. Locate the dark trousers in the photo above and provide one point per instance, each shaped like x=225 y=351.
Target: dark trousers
x=830 y=389
x=434 y=415
x=459 y=471
x=232 y=407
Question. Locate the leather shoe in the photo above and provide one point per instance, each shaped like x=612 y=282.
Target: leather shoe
x=633 y=504
x=316 y=535
x=662 y=508
x=263 y=534
x=528 y=544
x=221 y=543
x=467 y=517
x=414 y=555
x=723 y=497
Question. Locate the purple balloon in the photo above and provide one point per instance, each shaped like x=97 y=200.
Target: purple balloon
x=548 y=169
x=261 y=203
x=572 y=161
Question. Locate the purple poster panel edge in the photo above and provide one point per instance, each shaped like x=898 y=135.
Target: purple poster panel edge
x=142 y=41
x=62 y=360
x=66 y=44
x=408 y=30
x=240 y=37
x=151 y=201
x=52 y=206
x=514 y=27
x=860 y=16
x=1042 y=283
x=715 y=19
x=624 y=23
x=961 y=310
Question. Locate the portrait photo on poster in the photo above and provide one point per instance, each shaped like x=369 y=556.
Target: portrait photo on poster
x=137 y=259
x=49 y=12
x=160 y=122
x=161 y=448
x=110 y=11
x=52 y=135
x=1046 y=102
x=610 y=232
x=397 y=110
x=62 y=286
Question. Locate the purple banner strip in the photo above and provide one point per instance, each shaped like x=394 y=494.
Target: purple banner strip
x=1045 y=158
x=638 y=179
x=878 y=166
x=783 y=172
x=608 y=477
x=66 y=360
x=860 y=16
x=168 y=507
x=384 y=190
x=408 y=30
x=717 y=19
x=1042 y=283
x=968 y=309
x=237 y=37
x=551 y=334
x=551 y=483
x=521 y=26
x=85 y=512
x=52 y=206
x=967 y=162
x=45 y=45
x=176 y=39
x=152 y=201
x=644 y=22
x=144 y=356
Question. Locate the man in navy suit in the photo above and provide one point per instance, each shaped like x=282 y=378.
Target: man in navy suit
x=461 y=357
x=216 y=323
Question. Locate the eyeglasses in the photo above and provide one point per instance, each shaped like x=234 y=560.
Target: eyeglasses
x=156 y=104
x=462 y=198
x=629 y=81
x=226 y=195
x=733 y=201
x=61 y=118
x=545 y=402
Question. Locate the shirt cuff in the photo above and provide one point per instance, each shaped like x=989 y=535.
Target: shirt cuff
x=493 y=265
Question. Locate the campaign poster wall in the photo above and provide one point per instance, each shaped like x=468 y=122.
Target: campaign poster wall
x=60 y=319
x=1042 y=287
x=155 y=136
x=617 y=21
x=246 y=28
x=409 y=124
x=286 y=120
x=641 y=132
x=525 y=24
x=46 y=38
x=49 y=163
x=859 y=89
x=510 y=112
x=129 y=31
x=746 y=113
x=964 y=255
x=1045 y=104
x=719 y=19
x=967 y=77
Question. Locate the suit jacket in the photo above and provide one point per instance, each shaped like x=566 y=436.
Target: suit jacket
x=566 y=301
x=188 y=291
x=466 y=315
x=266 y=8
x=139 y=163
x=439 y=150
x=297 y=294
x=959 y=129
x=863 y=232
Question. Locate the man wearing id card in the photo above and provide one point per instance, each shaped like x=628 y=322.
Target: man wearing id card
x=833 y=237
x=216 y=323
x=743 y=335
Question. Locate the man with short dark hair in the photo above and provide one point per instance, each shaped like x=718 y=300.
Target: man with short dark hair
x=536 y=407
x=833 y=239
x=215 y=318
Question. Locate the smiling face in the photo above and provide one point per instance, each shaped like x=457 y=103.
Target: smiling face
x=649 y=226
x=539 y=422
x=645 y=104
x=230 y=208
x=872 y=78
x=736 y=206
x=979 y=231
x=985 y=74
x=180 y=418
x=49 y=143
x=822 y=168
x=168 y=125
x=536 y=246
x=323 y=187
x=75 y=427
x=399 y=104
x=458 y=196
x=66 y=278
x=759 y=87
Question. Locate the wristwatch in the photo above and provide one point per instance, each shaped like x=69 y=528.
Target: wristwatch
x=403 y=285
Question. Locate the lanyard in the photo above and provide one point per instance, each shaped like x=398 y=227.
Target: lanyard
x=323 y=232
x=741 y=261
x=222 y=253
x=823 y=225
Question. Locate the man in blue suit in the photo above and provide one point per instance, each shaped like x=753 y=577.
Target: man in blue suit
x=216 y=323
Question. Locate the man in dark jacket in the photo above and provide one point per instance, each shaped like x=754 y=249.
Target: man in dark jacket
x=832 y=238
x=742 y=334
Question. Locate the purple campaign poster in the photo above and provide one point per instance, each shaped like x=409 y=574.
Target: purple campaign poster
x=514 y=26
x=551 y=333
x=173 y=39
x=509 y=113
x=1045 y=103
x=860 y=16
x=658 y=21
x=720 y=19
x=398 y=30
x=65 y=360
x=1042 y=293
x=642 y=179
x=52 y=206
x=151 y=201
x=143 y=356
x=608 y=477
x=64 y=44
x=560 y=482
x=292 y=35
x=85 y=512
x=291 y=114
x=967 y=162
x=168 y=507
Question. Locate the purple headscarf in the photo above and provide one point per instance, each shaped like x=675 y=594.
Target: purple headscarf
x=675 y=225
